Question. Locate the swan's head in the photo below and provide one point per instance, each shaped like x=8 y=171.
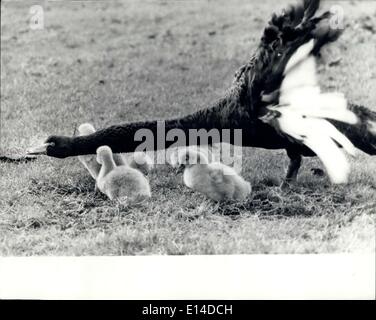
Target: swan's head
x=85 y=129
x=54 y=146
x=189 y=157
x=104 y=155
x=60 y=146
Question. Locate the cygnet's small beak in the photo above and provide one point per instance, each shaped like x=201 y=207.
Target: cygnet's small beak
x=39 y=150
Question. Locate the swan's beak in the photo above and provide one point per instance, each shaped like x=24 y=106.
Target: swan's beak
x=39 y=150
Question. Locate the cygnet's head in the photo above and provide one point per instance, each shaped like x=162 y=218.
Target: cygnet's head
x=142 y=162
x=189 y=157
x=141 y=158
x=104 y=154
x=85 y=129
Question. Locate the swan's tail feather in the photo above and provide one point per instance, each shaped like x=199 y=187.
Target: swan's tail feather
x=337 y=136
x=339 y=169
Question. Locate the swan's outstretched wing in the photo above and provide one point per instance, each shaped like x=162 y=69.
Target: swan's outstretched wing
x=302 y=111
x=281 y=47
x=287 y=90
x=322 y=138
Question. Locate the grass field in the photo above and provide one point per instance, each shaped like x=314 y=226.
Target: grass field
x=111 y=62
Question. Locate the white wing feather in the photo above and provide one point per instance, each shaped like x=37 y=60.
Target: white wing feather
x=332 y=157
x=319 y=135
x=304 y=110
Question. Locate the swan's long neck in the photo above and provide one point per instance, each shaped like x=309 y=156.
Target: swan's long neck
x=108 y=164
x=226 y=114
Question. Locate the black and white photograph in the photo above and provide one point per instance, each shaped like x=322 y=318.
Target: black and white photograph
x=187 y=128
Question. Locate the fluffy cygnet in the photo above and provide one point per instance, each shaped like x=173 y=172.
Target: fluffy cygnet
x=216 y=180
x=120 y=182
x=90 y=161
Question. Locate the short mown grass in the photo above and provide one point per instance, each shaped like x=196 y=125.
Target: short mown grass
x=107 y=63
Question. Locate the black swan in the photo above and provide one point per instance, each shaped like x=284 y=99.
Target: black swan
x=256 y=86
